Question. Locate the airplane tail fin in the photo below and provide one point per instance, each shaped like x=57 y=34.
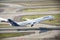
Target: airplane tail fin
x=12 y=22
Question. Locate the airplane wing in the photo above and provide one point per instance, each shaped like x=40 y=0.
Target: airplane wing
x=31 y=22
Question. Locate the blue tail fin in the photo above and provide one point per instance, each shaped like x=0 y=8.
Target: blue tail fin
x=12 y=22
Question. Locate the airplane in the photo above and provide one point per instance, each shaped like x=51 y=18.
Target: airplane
x=29 y=21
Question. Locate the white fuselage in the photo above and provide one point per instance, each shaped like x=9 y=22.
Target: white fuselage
x=37 y=20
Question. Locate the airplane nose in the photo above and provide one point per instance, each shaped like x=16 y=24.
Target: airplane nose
x=52 y=17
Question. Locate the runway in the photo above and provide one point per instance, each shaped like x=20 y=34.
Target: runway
x=12 y=15
x=48 y=34
x=37 y=35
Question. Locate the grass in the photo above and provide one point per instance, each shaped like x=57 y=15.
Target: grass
x=40 y=9
x=13 y=34
x=10 y=34
x=41 y=3
x=4 y=25
x=56 y=20
x=56 y=16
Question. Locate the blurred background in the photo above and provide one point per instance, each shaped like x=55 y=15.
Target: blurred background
x=18 y=10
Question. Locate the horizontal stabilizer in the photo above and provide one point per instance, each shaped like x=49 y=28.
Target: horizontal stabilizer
x=3 y=20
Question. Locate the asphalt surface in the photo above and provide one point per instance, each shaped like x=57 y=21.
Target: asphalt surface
x=40 y=28
x=12 y=15
x=37 y=35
